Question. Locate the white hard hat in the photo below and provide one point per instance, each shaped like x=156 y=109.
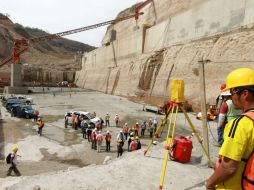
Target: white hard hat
x=116 y=114
x=136 y=123
x=121 y=131
x=226 y=93
x=126 y=124
x=199 y=115
x=108 y=131
x=39 y=118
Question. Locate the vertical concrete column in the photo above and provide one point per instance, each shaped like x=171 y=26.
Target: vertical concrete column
x=16 y=75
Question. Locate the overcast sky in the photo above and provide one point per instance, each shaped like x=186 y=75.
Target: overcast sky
x=60 y=15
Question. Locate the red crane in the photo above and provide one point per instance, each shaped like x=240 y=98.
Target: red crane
x=21 y=45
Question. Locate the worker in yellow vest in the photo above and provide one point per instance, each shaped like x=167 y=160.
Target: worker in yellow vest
x=238 y=142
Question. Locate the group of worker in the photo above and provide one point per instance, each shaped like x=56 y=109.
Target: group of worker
x=107 y=118
x=150 y=126
x=233 y=170
x=95 y=137
x=133 y=141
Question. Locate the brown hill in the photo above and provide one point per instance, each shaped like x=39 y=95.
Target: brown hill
x=52 y=61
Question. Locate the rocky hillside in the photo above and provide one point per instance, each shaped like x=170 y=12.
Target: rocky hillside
x=49 y=56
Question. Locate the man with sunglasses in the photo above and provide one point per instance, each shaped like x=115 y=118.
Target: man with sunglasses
x=238 y=134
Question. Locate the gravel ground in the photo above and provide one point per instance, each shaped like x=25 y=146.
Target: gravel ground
x=61 y=149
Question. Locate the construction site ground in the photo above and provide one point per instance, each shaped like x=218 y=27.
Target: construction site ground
x=61 y=159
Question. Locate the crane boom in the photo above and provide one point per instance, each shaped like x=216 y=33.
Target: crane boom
x=52 y=36
x=21 y=45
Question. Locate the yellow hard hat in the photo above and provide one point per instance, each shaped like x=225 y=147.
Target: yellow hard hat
x=137 y=138
x=132 y=138
x=14 y=149
x=120 y=140
x=240 y=77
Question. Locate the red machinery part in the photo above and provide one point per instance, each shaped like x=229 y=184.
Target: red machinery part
x=19 y=46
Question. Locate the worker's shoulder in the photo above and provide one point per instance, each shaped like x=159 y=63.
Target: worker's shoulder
x=241 y=124
x=240 y=120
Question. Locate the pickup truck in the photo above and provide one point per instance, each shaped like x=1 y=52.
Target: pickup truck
x=153 y=109
x=89 y=117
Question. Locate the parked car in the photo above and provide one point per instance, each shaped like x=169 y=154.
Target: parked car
x=63 y=84
x=24 y=99
x=11 y=102
x=1 y=96
x=87 y=116
x=153 y=109
x=5 y=100
x=14 y=108
x=25 y=111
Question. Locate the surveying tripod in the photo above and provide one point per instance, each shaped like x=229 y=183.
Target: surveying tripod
x=172 y=113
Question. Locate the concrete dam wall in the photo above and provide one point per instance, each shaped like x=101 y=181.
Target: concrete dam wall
x=166 y=43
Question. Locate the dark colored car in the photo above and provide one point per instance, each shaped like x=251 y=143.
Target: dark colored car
x=11 y=102
x=14 y=108
x=25 y=111
x=23 y=99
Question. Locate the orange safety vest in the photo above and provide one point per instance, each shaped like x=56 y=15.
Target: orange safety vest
x=248 y=172
x=136 y=127
x=108 y=137
x=40 y=124
x=99 y=138
x=133 y=145
x=125 y=129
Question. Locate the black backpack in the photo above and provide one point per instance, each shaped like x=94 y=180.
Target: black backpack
x=8 y=158
x=139 y=145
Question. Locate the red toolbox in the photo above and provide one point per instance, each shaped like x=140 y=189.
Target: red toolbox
x=181 y=149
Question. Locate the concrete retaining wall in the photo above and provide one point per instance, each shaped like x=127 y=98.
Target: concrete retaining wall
x=142 y=62
x=207 y=19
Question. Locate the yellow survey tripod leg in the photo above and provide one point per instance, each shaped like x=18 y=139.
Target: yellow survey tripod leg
x=197 y=136
x=174 y=112
x=171 y=137
x=159 y=130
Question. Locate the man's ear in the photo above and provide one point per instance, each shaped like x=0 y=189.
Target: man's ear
x=249 y=95
x=245 y=93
